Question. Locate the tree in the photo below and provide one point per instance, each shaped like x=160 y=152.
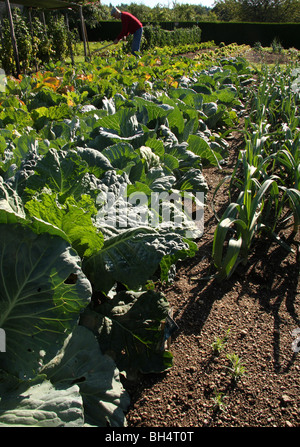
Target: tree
x=289 y=11
x=227 y=10
x=142 y=12
x=185 y=12
x=258 y=10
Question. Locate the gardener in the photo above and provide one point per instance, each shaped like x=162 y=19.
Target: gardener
x=130 y=25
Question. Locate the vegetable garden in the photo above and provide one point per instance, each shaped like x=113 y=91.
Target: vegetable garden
x=82 y=294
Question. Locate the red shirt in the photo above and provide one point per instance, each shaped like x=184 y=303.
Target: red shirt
x=129 y=24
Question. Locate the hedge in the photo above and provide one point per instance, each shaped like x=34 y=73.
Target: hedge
x=228 y=32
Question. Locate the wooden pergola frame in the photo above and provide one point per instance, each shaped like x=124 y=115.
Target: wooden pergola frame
x=43 y=4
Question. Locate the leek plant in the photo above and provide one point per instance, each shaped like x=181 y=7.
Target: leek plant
x=264 y=185
x=288 y=160
x=239 y=224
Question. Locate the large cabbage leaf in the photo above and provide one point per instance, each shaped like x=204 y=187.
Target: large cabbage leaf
x=131 y=257
x=60 y=171
x=73 y=218
x=81 y=361
x=42 y=291
x=79 y=386
x=131 y=327
x=123 y=126
x=41 y=405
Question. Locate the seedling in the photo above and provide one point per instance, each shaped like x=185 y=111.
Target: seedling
x=237 y=368
x=219 y=401
x=220 y=343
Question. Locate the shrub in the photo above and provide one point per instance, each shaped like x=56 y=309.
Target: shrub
x=154 y=36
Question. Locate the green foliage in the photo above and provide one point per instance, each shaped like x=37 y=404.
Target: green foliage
x=79 y=387
x=7 y=54
x=36 y=43
x=276 y=46
x=24 y=43
x=222 y=10
x=169 y=14
x=34 y=299
x=59 y=38
x=42 y=49
x=236 y=368
x=267 y=190
x=218 y=400
x=76 y=146
x=23 y=38
x=128 y=324
x=220 y=342
x=257 y=11
x=155 y=36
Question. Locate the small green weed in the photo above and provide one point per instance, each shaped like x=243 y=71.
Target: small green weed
x=237 y=369
x=219 y=343
x=276 y=46
x=219 y=401
x=257 y=47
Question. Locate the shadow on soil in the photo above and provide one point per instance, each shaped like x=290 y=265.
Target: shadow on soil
x=270 y=276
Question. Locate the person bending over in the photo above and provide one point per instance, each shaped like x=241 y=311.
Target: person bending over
x=130 y=25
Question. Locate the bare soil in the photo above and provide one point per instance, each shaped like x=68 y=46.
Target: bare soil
x=257 y=308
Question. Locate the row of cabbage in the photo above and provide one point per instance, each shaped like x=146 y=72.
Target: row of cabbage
x=264 y=188
x=77 y=306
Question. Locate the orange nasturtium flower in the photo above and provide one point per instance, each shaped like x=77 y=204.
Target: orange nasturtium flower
x=85 y=77
x=46 y=80
x=52 y=82
x=174 y=84
x=70 y=102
